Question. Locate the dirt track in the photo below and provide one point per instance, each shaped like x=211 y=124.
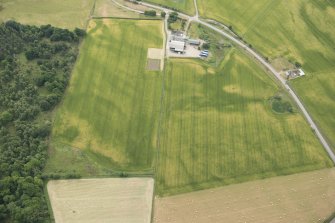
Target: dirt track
x=301 y=198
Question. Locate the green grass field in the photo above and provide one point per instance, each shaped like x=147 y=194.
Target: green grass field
x=219 y=128
x=186 y=6
x=64 y=14
x=302 y=31
x=108 y=120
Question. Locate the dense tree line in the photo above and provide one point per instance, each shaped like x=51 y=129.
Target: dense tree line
x=35 y=67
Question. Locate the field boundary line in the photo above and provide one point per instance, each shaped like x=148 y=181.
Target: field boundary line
x=125 y=18
x=90 y=15
x=162 y=107
x=48 y=201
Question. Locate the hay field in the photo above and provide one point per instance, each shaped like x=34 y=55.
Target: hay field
x=301 y=198
x=64 y=14
x=186 y=6
x=218 y=128
x=127 y=200
x=109 y=115
x=300 y=30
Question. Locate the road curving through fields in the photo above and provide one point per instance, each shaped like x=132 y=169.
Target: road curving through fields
x=268 y=66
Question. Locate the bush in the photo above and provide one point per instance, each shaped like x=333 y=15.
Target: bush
x=150 y=13
x=5 y=117
x=163 y=14
x=123 y=174
x=298 y=65
x=173 y=17
x=206 y=46
x=79 y=32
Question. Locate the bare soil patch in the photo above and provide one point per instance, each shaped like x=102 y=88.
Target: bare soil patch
x=154 y=65
x=305 y=197
x=127 y=200
x=155 y=59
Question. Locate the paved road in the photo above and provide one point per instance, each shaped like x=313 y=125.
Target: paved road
x=265 y=64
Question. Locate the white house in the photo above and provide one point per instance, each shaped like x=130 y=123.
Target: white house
x=295 y=73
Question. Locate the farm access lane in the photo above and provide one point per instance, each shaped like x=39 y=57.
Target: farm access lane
x=264 y=63
x=196 y=9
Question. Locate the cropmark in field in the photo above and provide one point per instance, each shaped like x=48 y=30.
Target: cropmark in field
x=300 y=31
x=219 y=128
x=108 y=120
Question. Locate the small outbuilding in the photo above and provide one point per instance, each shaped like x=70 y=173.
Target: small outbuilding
x=295 y=73
x=194 y=42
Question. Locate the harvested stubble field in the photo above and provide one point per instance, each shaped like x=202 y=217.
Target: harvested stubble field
x=126 y=200
x=108 y=120
x=302 y=31
x=300 y=198
x=218 y=128
x=65 y=14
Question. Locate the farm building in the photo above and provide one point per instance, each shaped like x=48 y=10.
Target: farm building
x=295 y=73
x=194 y=42
x=178 y=36
x=177 y=46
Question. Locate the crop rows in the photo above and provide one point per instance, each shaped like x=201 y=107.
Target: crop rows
x=219 y=129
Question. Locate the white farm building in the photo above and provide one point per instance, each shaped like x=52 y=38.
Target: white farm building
x=177 y=46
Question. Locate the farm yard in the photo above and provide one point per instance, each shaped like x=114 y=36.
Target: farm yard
x=298 y=31
x=108 y=119
x=64 y=14
x=218 y=128
x=102 y=200
x=304 y=197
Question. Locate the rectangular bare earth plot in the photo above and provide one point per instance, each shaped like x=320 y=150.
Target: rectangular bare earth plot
x=126 y=200
x=153 y=64
x=155 y=59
